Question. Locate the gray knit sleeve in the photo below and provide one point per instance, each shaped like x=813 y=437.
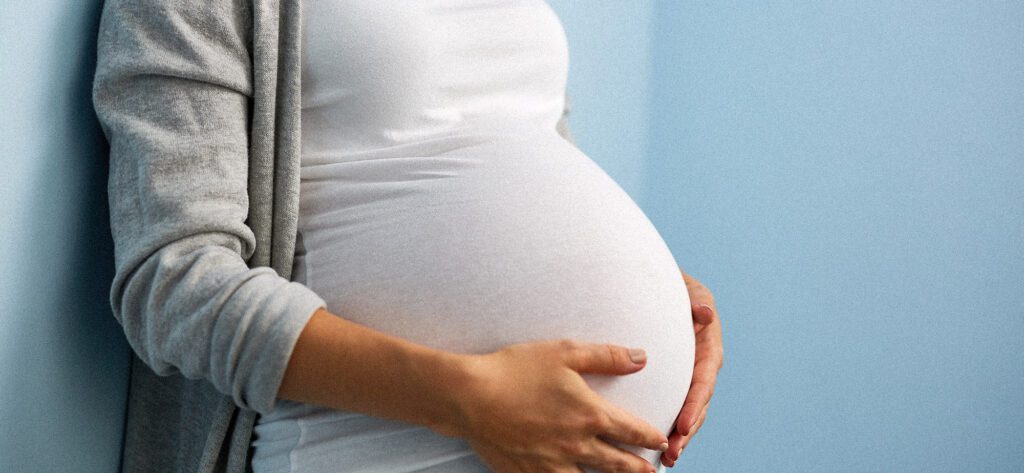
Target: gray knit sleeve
x=172 y=92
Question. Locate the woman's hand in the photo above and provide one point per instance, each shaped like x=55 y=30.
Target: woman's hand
x=707 y=362
x=525 y=408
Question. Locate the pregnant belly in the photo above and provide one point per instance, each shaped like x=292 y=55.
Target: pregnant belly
x=500 y=240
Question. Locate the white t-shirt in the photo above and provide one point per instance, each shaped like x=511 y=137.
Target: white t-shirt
x=439 y=204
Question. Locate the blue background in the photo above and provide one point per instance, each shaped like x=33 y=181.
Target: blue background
x=846 y=177
x=63 y=359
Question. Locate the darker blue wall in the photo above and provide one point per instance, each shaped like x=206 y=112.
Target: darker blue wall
x=63 y=361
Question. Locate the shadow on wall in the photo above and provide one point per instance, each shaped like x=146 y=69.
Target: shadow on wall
x=64 y=361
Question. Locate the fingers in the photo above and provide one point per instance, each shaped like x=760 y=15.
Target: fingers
x=677 y=441
x=606 y=457
x=697 y=290
x=708 y=361
x=696 y=399
x=628 y=429
x=670 y=456
x=708 y=340
x=689 y=438
x=702 y=314
x=702 y=386
x=600 y=358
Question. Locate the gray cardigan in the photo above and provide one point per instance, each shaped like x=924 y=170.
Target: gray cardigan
x=200 y=102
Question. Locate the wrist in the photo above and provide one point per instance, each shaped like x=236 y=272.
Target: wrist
x=447 y=377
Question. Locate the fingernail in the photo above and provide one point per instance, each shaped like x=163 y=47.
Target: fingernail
x=663 y=446
x=707 y=308
x=637 y=355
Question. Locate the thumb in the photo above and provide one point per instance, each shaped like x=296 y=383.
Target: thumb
x=599 y=358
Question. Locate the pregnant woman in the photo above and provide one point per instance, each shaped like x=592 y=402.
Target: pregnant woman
x=425 y=276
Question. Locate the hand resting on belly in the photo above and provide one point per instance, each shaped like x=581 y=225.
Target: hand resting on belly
x=499 y=242
x=524 y=408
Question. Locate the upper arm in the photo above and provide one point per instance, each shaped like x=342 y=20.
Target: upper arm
x=171 y=91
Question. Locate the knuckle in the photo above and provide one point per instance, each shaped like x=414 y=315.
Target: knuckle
x=567 y=344
x=575 y=448
x=570 y=351
x=624 y=464
x=638 y=437
x=597 y=421
x=617 y=355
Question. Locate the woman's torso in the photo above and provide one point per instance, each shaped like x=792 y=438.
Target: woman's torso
x=440 y=205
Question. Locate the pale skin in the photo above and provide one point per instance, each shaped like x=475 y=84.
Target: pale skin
x=524 y=408
x=708 y=361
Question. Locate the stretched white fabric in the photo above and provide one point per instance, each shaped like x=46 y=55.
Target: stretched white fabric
x=439 y=204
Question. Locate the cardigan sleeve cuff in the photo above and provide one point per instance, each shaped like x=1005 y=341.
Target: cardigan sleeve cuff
x=260 y=350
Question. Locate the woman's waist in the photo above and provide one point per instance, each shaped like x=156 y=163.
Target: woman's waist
x=480 y=180
x=344 y=145
x=312 y=438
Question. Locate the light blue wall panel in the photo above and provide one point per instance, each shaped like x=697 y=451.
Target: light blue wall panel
x=848 y=179
x=609 y=69
x=63 y=362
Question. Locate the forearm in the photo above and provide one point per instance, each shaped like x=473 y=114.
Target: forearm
x=340 y=364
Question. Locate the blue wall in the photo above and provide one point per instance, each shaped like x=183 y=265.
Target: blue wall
x=63 y=362
x=609 y=80
x=848 y=180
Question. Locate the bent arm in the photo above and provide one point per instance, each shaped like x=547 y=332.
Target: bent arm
x=343 y=365
x=171 y=91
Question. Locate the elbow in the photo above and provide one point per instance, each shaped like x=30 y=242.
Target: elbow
x=199 y=310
